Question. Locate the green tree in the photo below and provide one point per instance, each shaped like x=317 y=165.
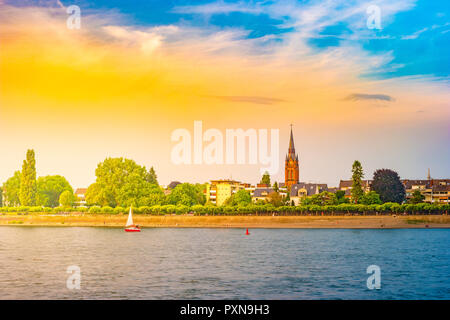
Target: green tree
x=11 y=190
x=151 y=176
x=28 y=186
x=416 y=197
x=139 y=192
x=49 y=189
x=121 y=182
x=1 y=197
x=94 y=196
x=276 y=199
x=387 y=184
x=266 y=178
x=67 y=198
x=275 y=187
x=371 y=197
x=187 y=194
x=340 y=197
x=357 y=175
x=240 y=198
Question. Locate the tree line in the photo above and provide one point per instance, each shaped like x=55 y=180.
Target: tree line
x=251 y=209
x=121 y=183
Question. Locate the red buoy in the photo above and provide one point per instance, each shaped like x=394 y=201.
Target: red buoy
x=247 y=233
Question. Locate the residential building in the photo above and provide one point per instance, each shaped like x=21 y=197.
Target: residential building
x=261 y=194
x=301 y=190
x=434 y=190
x=80 y=194
x=218 y=191
x=346 y=185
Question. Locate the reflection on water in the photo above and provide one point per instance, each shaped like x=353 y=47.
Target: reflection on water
x=223 y=263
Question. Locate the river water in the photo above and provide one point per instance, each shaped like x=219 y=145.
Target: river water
x=223 y=263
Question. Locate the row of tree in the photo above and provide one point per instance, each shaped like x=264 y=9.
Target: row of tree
x=122 y=182
x=24 y=189
x=119 y=182
x=344 y=208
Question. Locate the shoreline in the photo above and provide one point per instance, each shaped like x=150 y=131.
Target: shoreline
x=269 y=222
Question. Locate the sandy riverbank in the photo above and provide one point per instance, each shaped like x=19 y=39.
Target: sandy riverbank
x=187 y=221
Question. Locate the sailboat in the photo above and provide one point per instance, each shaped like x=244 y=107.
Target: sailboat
x=130 y=226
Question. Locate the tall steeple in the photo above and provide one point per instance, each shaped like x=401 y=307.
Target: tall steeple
x=291 y=151
x=291 y=170
x=291 y=143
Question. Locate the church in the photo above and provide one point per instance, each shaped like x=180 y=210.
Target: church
x=291 y=171
x=298 y=190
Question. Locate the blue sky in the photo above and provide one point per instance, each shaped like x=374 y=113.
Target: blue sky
x=416 y=34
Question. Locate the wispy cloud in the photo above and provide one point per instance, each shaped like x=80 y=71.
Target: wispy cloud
x=251 y=99
x=219 y=7
x=365 y=96
x=415 y=35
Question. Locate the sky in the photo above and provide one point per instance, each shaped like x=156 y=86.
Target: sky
x=136 y=71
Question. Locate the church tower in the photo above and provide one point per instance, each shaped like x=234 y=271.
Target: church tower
x=291 y=172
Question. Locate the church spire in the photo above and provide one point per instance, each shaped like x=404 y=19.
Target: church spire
x=291 y=151
x=291 y=143
x=291 y=170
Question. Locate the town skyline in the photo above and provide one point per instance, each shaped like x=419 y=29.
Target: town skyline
x=76 y=97
x=280 y=177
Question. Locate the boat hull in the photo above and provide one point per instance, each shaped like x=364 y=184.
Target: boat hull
x=132 y=230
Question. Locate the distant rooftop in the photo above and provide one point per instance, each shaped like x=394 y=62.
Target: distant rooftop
x=81 y=191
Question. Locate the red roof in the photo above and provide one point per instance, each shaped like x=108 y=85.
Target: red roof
x=81 y=191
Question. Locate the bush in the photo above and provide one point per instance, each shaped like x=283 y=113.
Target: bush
x=94 y=209
x=118 y=210
x=181 y=209
x=199 y=209
x=145 y=210
x=59 y=209
x=106 y=209
x=209 y=209
x=156 y=210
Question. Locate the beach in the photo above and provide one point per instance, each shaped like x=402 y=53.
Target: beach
x=190 y=221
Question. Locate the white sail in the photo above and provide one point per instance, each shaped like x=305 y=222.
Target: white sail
x=130 y=219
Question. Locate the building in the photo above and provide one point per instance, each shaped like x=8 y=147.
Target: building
x=218 y=191
x=302 y=190
x=333 y=189
x=291 y=170
x=173 y=184
x=346 y=185
x=261 y=194
x=80 y=194
x=434 y=190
